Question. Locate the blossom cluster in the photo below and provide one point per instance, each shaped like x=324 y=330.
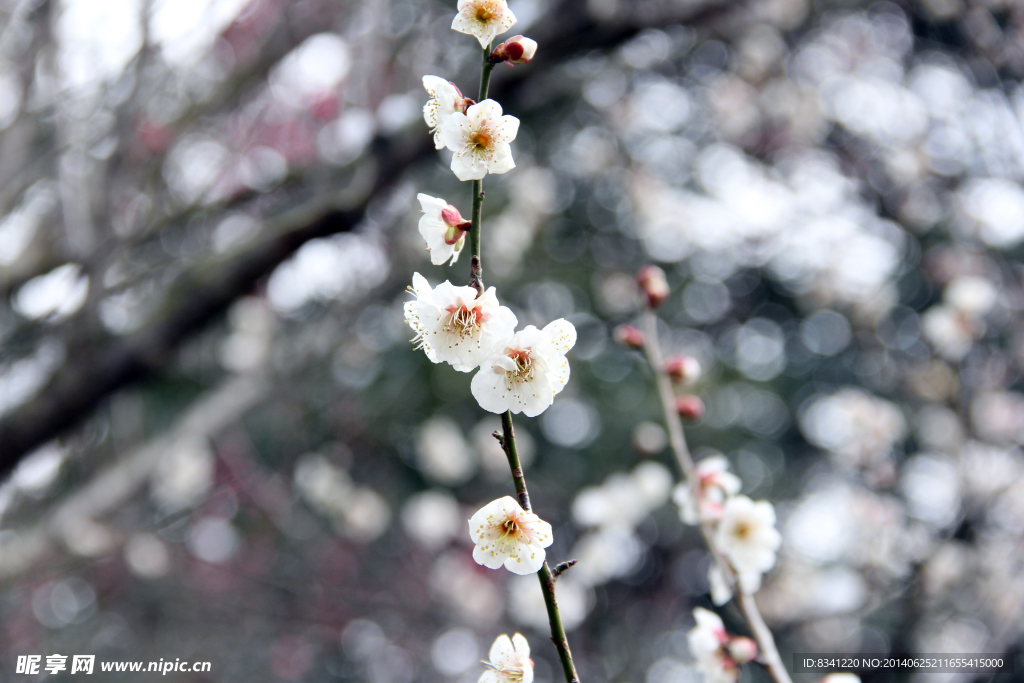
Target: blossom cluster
x=744 y=530
x=718 y=654
x=468 y=328
x=519 y=371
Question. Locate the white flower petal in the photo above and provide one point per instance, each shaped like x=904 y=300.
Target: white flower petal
x=500 y=160
x=488 y=388
x=468 y=167
x=502 y=650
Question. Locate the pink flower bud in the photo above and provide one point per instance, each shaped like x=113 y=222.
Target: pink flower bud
x=653 y=284
x=690 y=407
x=462 y=103
x=451 y=216
x=683 y=369
x=630 y=336
x=742 y=649
x=515 y=50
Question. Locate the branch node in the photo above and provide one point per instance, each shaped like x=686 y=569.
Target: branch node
x=475 y=275
x=561 y=567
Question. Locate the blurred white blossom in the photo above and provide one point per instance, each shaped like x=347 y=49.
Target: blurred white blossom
x=432 y=518
x=508 y=661
x=860 y=429
x=356 y=511
x=714 y=483
x=183 y=474
x=707 y=641
x=443 y=454
x=746 y=535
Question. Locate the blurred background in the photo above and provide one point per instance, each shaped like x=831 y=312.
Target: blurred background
x=218 y=445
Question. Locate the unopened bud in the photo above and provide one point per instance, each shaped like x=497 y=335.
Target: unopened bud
x=683 y=369
x=462 y=103
x=451 y=216
x=515 y=50
x=653 y=284
x=630 y=336
x=690 y=407
x=742 y=649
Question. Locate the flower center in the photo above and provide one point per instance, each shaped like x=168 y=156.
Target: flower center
x=484 y=11
x=742 y=531
x=510 y=672
x=511 y=527
x=524 y=364
x=514 y=674
x=482 y=139
x=463 y=321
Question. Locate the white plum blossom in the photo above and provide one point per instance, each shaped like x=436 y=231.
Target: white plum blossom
x=445 y=100
x=454 y=325
x=747 y=536
x=480 y=140
x=443 y=228
x=506 y=534
x=526 y=375
x=708 y=641
x=484 y=19
x=509 y=661
x=715 y=483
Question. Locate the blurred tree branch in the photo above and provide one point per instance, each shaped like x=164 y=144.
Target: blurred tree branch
x=114 y=485
x=97 y=365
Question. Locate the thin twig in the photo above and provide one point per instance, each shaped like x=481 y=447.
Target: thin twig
x=677 y=440
x=561 y=567
x=546 y=576
x=476 y=273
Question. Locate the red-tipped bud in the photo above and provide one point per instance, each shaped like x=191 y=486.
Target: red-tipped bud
x=742 y=649
x=683 y=369
x=462 y=103
x=630 y=336
x=690 y=407
x=515 y=50
x=653 y=284
x=457 y=227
